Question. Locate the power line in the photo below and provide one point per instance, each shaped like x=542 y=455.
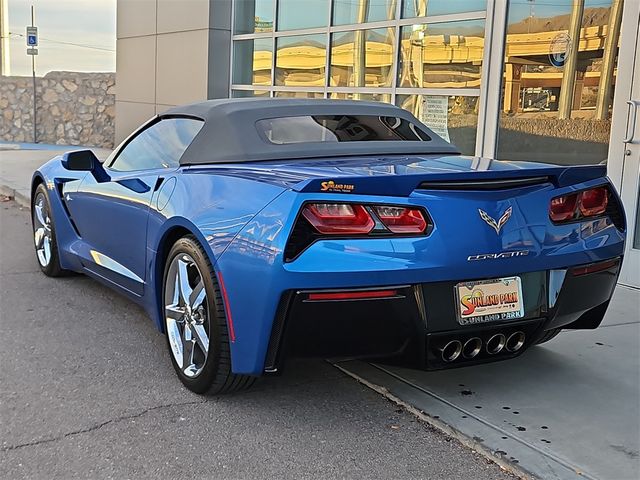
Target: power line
x=94 y=47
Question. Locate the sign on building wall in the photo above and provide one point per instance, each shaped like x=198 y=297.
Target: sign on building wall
x=435 y=110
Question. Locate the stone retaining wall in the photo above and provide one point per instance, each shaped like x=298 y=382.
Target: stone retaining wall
x=72 y=109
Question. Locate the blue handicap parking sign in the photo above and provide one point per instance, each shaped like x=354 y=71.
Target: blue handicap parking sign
x=32 y=40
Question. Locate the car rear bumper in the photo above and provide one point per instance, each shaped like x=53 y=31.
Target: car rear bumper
x=416 y=324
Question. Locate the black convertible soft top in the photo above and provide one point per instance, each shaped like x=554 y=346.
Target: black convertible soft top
x=230 y=133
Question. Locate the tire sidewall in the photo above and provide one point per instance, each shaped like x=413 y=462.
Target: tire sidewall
x=203 y=381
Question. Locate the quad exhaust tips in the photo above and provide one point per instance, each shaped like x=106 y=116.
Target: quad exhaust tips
x=515 y=342
x=451 y=351
x=472 y=347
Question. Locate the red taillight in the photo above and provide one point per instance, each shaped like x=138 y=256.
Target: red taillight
x=594 y=267
x=357 y=295
x=594 y=201
x=575 y=206
x=338 y=218
x=563 y=208
x=402 y=220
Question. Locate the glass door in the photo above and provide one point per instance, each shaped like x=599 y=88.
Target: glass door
x=627 y=156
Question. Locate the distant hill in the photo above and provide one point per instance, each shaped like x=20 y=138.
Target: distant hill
x=591 y=17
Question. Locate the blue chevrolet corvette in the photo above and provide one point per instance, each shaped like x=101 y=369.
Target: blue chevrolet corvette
x=256 y=230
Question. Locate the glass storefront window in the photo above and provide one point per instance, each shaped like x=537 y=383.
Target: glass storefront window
x=362 y=58
x=362 y=11
x=556 y=107
x=454 y=118
x=422 y=8
x=301 y=60
x=298 y=14
x=249 y=93
x=442 y=55
x=253 y=16
x=252 y=61
x=289 y=94
x=371 y=97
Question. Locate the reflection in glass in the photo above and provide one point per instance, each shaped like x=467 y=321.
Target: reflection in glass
x=249 y=93
x=454 y=118
x=557 y=101
x=290 y=94
x=362 y=58
x=422 y=8
x=372 y=97
x=301 y=60
x=296 y=14
x=253 y=16
x=252 y=61
x=442 y=55
x=362 y=11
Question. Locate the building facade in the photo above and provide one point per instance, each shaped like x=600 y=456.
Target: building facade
x=554 y=82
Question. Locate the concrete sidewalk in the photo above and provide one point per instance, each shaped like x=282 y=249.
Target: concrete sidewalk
x=17 y=167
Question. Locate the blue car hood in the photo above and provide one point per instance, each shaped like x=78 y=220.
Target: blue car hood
x=394 y=175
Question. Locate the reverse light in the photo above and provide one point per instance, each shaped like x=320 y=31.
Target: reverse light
x=578 y=205
x=401 y=219
x=338 y=218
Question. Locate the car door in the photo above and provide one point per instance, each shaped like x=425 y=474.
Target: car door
x=111 y=211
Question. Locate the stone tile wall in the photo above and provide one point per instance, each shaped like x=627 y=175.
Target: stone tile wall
x=73 y=108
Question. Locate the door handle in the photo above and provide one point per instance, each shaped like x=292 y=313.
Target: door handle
x=634 y=114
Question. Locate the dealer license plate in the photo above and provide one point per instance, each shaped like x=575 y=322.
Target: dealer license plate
x=489 y=300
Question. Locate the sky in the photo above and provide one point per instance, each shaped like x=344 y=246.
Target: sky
x=88 y=24
x=80 y=35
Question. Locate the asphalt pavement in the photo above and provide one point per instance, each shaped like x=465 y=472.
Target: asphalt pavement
x=87 y=391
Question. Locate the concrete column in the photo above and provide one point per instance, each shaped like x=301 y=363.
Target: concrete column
x=169 y=52
x=360 y=48
x=512 y=87
x=608 y=61
x=568 y=79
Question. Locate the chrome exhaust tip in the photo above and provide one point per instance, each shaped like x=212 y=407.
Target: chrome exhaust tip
x=471 y=348
x=515 y=342
x=451 y=351
x=496 y=343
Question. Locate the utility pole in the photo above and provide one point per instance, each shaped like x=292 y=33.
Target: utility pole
x=5 y=55
x=33 y=52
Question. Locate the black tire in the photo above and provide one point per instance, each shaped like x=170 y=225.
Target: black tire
x=53 y=268
x=216 y=376
x=548 y=335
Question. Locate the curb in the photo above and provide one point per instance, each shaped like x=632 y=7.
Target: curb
x=444 y=428
x=16 y=196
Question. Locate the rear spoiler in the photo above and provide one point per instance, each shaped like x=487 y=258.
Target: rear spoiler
x=404 y=184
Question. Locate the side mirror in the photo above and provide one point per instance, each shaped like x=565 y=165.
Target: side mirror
x=85 y=161
x=80 y=160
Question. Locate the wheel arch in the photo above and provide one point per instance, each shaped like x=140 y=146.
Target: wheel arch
x=36 y=180
x=174 y=230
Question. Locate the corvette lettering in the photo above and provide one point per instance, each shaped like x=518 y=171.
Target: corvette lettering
x=497 y=256
x=331 y=186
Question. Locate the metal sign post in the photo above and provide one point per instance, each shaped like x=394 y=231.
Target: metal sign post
x=32 y=43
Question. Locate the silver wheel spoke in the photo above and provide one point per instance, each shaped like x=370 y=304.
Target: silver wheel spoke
x=188 y=345
x=175 y=340
x=42 y=231
x=182 y=282
x=201 y=337
x=174 y=312
x=197 y=296
x=40 y=213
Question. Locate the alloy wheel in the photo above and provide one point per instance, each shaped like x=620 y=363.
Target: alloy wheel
x=186 y=315
x=42 y=230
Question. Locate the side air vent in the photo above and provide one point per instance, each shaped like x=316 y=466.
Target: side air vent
x=493 y=184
